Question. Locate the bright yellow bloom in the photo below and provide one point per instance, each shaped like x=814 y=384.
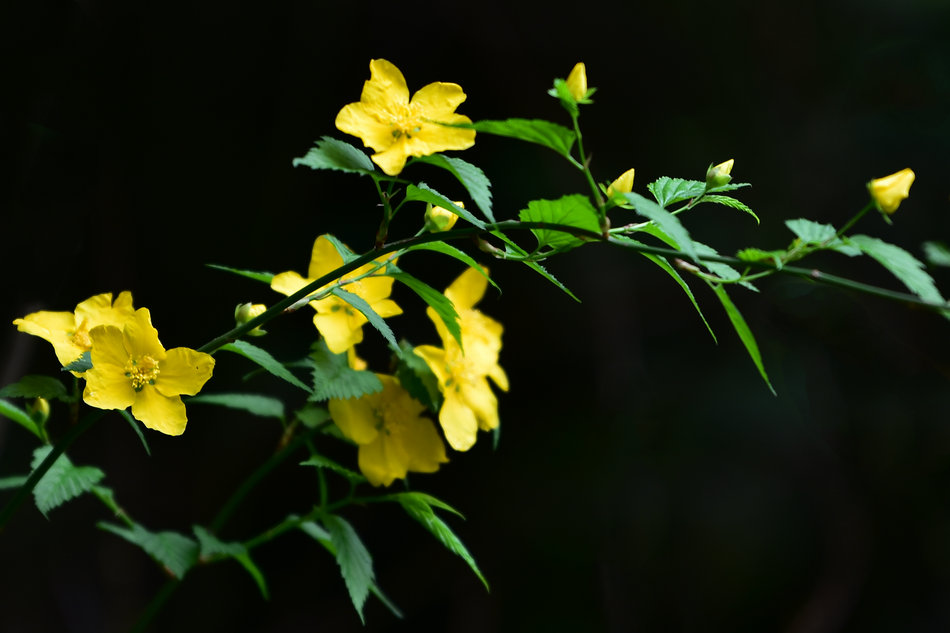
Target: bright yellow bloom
x=130 y=368
x=440 y=219
x=397 y=128
x=889 y=191
x=393 y=437
x=720 y=174
x=69 y=331
x=623 y=184
x=340 y=323
x=468 y=401
x=577 y=81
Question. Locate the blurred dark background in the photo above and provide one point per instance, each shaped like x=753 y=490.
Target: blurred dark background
x=646 y=479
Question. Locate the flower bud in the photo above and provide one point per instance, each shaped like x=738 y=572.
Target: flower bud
x=577 y=81
x=719 y=175
x=887 y=192
x=623 y=184
x=38 y=411
x=244 y=312
x=439 y=219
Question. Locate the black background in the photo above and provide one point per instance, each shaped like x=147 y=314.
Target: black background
x=646 y=480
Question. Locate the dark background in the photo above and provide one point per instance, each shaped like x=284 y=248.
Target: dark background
x=646 y=479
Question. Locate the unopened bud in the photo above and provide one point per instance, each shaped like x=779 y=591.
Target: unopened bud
x=623 y=184
x=439 y=219
x=719 y=175
x=889 y=191
x=577 y=81
x=244 y=312
x=38 y=411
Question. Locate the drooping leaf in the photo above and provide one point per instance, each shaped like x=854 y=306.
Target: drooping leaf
x=669 y=191
x=666 y=267
x=356 y=564
x=19 y=416
x=472 y=178
x=174 y=551
x=319 y=461
x=742 y=329
x=265 y=360
x=333 y=378
x=436 y=300
x=137 y=429
x=451 y=251
x=572 y=210
x=425 y=193
x=330 y=153
x=729 y=201
x=546 y=133
x=811 y=233
x=63 y=481
x=367 y=311
x=511 y=247
x=210 y=548
x=937 y=253
x=81 y=364
x=666 y=221
x=250 y=274
x=36 y=387
x=417 y=378
x=263 y=406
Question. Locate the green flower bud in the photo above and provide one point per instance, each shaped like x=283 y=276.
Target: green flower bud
x=719 y=175
x=244 y=312
x=38 y=411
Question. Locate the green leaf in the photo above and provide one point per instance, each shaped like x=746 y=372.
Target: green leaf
x=417 y=378
x=546 y=133
x=333 y=378
x=573 y=210
x=312 y=415
x=731 y=186
x=451 y=251
x=730 y=202
x=212 y=548
x=265 y=360
x=669 y=191
x=137 y=428
x=263 y=406
x=666 y=221
x=424 y=193
x=563 y=94
x=937 y=253
x=367 y=310
x=319 y=461
x=36 y=387
x=720 y=269
x=329 y=153
x=250 y=274
x=811 y=233
x=19 y=416
x=12 y=482
x=62 y=481
x=436 y=300
x=665 y=266
x=758 y=255
x=81 y=364
x=342 y=249
x=419 y=507
x=742 y=329
x=107 y=496
x=907 y=268
x=175 y=552
x=535 y=266
x=356 y=565
x=471 y=177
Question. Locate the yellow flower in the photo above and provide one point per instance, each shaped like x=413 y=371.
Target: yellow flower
x=719 y=175
x=887 y=192
x=393 y=437
x=397 y=128
x=340 y=323
x=69 y=331
x=130 y=368
x=439 y=219
x=468 y=401
x=577 y=81
x=623 y=184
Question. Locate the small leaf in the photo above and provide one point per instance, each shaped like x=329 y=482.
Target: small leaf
x=312 y=415
x=62 y=481
x=329 y=153
x=356 y=564
x=535 y=266
x=436 y=300
x=424 y=193
x=731 y=186
x=175 y=552
x=758 y=255
x=36 y=387
x=265 y=360
x=669 y=191
x=320 y=461
x=451 y=251
x=546 y=133
x=666 y=221
x=416 y=377
x=81 y=364
x=367 y=311
x=333 y=378
x=263 y=406
x=211 y=547
x=12 y=482
x=471 y=177
x=811 y=233
x=937 y=254
x=19 y=416
x=573 y=210
x=731 y=202
x=742 y=329
x=250 y=274
x=342 y=249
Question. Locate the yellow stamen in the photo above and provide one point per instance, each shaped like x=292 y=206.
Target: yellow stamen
x=81 y=337
x=142 y=372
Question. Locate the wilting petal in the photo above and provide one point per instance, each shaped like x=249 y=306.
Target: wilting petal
x=184 y=371
x=161 y=413
x=458 y=421
x=356 y=418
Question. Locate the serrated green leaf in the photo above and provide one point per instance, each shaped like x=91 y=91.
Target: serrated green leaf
x=419 y=509
x=758 y=255
x=666 y=221
x=425 y=193
x=367 y=311
x=535 y=266
x=936 y=253
x=572 y=210
x=319 y=461
x=211 y=547
x=12 y=482
x=731 y=186
x=265 y=360
x=669 y=191
x=423 y=498
x=472 y=178
x=21 y=417
x=62 y=481
x=81 y=364
x=263 y=406
x=810 y=232
x=563 y=94
x=107 y=497
x=416 y=377
x=546 y=133
x=720 y=269
x=436 y=300
x=174 y=551
x=730 y=202
x=250 y=274
x=36 y=387
x=907 y=268
x=666 y=267
x=137 y=429
x=742 y=329
x=356 y=564
x=333 y=378
x=451 y=251
x=330 y=153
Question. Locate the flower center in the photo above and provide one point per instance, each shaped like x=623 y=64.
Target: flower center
x=142 y=372
x=81 y=337
x=405 y=123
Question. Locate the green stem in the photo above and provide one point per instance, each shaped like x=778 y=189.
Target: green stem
x=854 y=220
x=156 y=605
x=584 y=166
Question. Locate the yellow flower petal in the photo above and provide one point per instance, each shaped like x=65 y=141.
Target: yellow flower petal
x=577 y=81
x=458 y=421
x=386 y=86
x=288 y=283
x=358 y=120
x=356 y=419
x=438 y=99
x=107 y=386
x=383 y=462
x=467 y=289
x=54 y=327
x=424 y=446
x=435 y=359
x=623 y=184
x=338 y=331
x=324 y=258
x=184 y=371
x=99 y=310
x=480 y=399
x=141 y=338
x=889 y=191
x=161 y=413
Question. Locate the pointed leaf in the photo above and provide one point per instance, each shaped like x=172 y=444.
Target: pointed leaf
x=730 y=186
x=62 y=481
x=312 y=415
x=263 y=406
x=730 y=202
x=424 y=193
x=451 y=251
x=573 y=210
x=334 y=378
x=666 y=267
x=665 y=220
x=175 y=552
x=19 y=416
x=12 y=482
x=356 y=564
x=471 y=177
x=81 y=364
x=211 y=547
x=36 y=387
x=319 y=461
x=535 y=266
x=367 y=310
x=342 y=249
x=329 y=153
x=742 y=329
x=265 y=360
x=811 y=232
x=937 y=253
x=436 y=300
x=250 y=274
x=546 y=133
x=417 y=378
x=137 y=429
x=669 y=191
